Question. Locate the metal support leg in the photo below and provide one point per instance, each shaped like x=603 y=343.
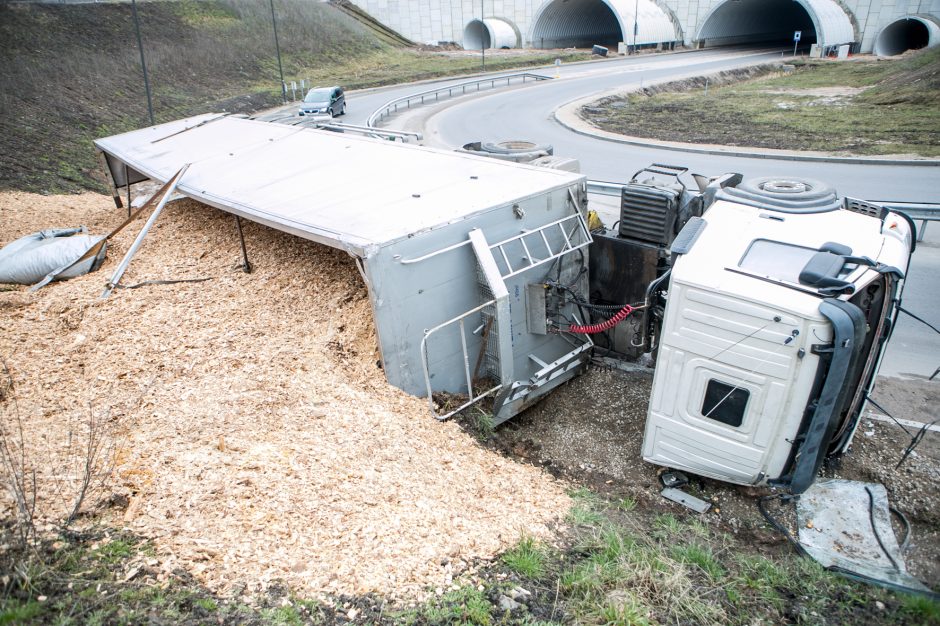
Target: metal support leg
x=115 y=192
x=127 y=183
x=169 y=189
x=246 y=266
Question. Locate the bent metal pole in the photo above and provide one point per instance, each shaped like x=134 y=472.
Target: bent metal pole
x=122 y=267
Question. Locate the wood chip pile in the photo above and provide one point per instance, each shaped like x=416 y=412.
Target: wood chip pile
x=261 y=441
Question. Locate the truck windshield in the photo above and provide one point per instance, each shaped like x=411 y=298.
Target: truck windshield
x=777 y=260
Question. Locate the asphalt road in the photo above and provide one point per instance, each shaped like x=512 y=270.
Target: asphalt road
x=527 y=112
x=914 y=349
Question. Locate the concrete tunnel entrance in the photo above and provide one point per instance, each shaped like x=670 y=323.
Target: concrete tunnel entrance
x=769 y=22
x=578 y=24
x=476 y=36
x=492 y=32
x=910 y=33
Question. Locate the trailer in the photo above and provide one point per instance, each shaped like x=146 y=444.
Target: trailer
x=455 y=249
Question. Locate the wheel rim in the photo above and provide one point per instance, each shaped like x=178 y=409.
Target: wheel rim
x=785 y=186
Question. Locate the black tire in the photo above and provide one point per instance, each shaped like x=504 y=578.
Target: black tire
x=516 y=147
x=787 y=195
x=343 y=110
x=787 y=188
x=330 y=111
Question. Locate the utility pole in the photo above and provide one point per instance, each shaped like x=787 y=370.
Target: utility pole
x=143 y=64
x=482 y=37
x=636 y=23
x=277 y=48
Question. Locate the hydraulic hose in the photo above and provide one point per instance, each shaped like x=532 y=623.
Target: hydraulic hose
x=602 y=326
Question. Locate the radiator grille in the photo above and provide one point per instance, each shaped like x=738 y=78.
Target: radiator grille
x=648 y=214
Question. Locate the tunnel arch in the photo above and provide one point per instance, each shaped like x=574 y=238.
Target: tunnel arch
x=774 y=21
x=908 y=33
x=583 y=23
x=490 y=32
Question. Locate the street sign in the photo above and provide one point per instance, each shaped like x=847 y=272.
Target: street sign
x=797 y=34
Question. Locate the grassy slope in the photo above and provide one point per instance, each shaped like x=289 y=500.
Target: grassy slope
x=618 y=565
x=71 y=73
x=897 y=112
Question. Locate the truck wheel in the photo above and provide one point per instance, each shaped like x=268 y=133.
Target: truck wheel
x=516 y=147
x=788 y=195
x=787 y=188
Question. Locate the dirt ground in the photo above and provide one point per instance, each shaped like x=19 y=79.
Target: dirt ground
x=258 y=443
x=590 y=431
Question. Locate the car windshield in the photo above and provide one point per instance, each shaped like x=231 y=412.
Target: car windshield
x=318 y=95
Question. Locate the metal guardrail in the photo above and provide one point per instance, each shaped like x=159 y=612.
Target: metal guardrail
x=384 y=133
x=421 y=97
x=604 y=188
x=925 y=211
x=343 y=127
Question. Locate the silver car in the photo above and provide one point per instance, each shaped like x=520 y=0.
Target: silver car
x=324 y=101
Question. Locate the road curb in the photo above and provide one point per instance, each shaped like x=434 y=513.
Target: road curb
x=567 y=116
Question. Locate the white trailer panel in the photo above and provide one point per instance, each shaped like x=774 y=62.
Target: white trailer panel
x=451 y=244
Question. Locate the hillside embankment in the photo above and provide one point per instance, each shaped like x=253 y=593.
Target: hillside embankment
x=72 y=73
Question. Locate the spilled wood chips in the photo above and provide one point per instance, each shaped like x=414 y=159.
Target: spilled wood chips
x=259 y=440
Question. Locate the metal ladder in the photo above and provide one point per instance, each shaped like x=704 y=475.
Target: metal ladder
x=499 y=305
x=570 y=233
x=576 y=236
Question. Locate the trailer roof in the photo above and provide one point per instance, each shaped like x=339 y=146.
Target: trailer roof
x=346 y=191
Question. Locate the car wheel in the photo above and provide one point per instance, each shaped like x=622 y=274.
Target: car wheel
x=343 y=111
x=330 y=111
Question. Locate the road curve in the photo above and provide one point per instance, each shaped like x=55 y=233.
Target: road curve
x=527 y=112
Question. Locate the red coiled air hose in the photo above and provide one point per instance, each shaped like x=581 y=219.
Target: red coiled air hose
x=602 y=326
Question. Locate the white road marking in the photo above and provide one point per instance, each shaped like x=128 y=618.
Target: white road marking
x=918 y=425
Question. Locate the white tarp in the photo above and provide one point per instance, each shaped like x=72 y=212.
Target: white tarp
x=29 y=259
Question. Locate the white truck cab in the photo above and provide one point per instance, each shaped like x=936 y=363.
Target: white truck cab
x=774 y=325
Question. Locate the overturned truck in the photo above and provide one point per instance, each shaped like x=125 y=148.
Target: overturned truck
x=767 y=303
x=771 y=306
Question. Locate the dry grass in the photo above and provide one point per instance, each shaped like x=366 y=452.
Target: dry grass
x=875 y=108
x=71 y=73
